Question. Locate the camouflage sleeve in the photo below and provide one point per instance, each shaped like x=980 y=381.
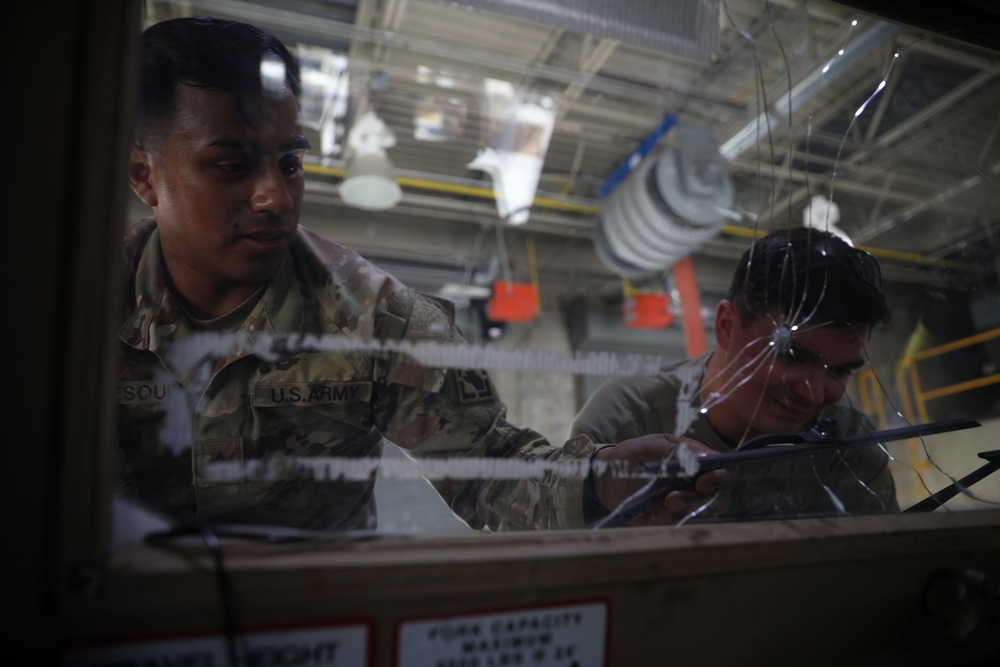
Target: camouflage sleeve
x=442 y=413
x=614 y=412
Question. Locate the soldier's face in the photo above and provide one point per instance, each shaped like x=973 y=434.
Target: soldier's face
x=226 y=193
x=773 y=387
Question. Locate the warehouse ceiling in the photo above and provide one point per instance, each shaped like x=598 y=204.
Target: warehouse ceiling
x=899 y=127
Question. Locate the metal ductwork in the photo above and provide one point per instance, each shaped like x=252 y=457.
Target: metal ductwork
x=666 y=208
x=688 y=28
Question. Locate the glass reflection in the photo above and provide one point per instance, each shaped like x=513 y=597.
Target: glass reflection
x=823 y=119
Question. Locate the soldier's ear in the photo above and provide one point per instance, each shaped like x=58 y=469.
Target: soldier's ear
x=725 y=323
x=141 y=175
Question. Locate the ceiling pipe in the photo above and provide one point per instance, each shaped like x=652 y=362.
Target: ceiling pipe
x=857 y=49
x=583 y=207
x=411 y=179
x=670 y=207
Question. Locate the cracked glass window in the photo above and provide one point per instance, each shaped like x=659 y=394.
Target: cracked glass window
x=722 y=261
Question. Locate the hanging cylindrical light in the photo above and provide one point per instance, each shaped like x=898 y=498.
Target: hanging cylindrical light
x=666 y=208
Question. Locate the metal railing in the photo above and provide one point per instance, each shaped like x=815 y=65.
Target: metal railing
x=913 y=396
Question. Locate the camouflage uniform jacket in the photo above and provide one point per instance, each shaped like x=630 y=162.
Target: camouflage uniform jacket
x=247 y=407
x=855 y=480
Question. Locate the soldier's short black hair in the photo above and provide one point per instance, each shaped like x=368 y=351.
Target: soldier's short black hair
x=209 y=53
x=809 y=274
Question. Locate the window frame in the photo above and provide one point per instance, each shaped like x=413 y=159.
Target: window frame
x=88 y=591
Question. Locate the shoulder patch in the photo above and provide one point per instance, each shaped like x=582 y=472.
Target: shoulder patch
x=473 y=386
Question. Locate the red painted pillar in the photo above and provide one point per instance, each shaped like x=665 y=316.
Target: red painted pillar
x=687 y=291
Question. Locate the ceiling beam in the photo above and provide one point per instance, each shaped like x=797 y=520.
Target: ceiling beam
x=911 y=130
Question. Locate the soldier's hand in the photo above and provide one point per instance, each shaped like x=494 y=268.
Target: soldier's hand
x=616 y=484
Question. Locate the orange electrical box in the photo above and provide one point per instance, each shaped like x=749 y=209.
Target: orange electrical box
x=647 y=311
x=512 y=302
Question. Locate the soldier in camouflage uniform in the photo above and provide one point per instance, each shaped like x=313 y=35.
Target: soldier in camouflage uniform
x=790 y=332
x=310 y=403
x=218 y=158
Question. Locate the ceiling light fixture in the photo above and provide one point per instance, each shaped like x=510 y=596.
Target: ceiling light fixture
x=370 y=183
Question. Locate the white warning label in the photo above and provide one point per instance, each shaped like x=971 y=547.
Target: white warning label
x=559 y=636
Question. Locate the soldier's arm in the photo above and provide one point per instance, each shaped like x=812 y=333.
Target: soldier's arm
x=457 y=414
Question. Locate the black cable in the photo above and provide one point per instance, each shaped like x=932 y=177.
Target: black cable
x=210 y=534
x=225 y=594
